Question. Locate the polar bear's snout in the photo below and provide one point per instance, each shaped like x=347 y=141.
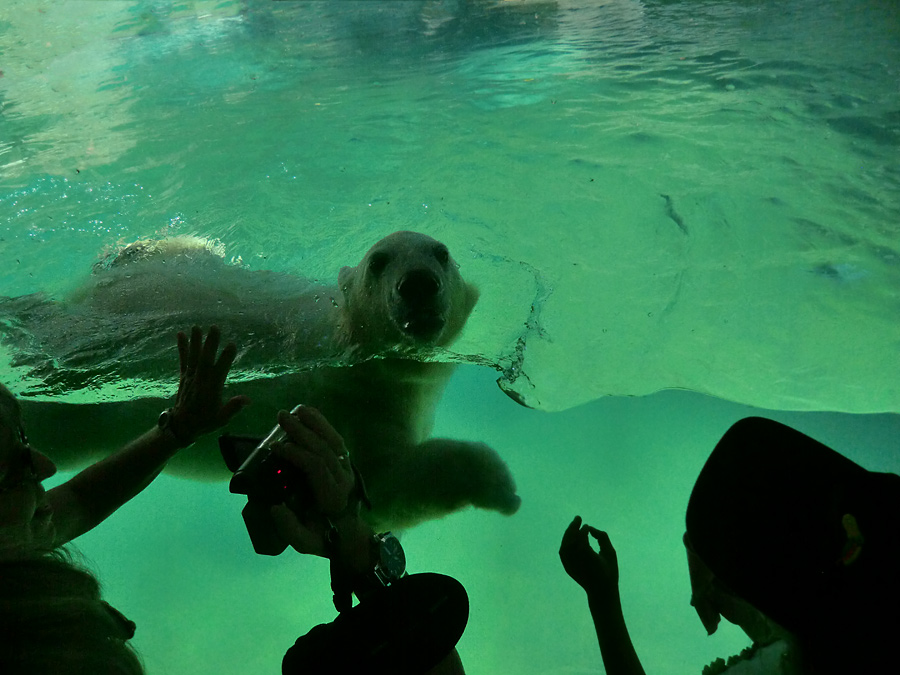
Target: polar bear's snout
x=422 y=306
x=419 y=287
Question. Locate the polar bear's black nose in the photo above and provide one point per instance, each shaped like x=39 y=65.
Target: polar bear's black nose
x=418 y=287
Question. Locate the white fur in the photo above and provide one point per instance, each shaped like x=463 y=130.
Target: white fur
x=381 y=397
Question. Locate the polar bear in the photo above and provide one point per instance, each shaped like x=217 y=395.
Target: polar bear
x=380 y=324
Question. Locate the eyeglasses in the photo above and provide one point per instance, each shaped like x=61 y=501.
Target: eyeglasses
x=22 y=469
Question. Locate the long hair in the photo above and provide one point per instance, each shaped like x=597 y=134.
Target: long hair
x=54 y=622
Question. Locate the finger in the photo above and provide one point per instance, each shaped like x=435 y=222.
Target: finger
x=226 y=359
x=232 y=407
x=298 y=431
x=599 y=535
x=571 y=533
x=603 y=541
x=319 y=477
x=311 y=463
x=210 y=347
x=308 y=439
x=182 y=351
x=316 y=421
x=194 y=348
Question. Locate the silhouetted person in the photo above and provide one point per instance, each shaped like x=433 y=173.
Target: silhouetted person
x=403 y=624
x=52 y=618
x=786 y=538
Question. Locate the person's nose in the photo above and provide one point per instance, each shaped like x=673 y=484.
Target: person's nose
x=43 y=465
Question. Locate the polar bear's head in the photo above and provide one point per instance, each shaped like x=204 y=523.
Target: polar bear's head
x=406 y=292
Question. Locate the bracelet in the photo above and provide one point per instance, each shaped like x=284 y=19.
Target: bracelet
x=164 y=423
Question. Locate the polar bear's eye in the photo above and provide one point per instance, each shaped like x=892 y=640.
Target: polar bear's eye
x=442 y=255
x=377 y=263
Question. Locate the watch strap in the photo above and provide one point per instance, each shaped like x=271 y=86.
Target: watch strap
x=164 y=423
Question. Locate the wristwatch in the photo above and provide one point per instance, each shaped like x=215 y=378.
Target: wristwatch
x=164 y=422
x=391 y=563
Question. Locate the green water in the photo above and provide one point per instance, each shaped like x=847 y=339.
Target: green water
x=177 y=559
x=651 y=195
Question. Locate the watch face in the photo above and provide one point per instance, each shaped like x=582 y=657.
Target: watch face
x=393 y=560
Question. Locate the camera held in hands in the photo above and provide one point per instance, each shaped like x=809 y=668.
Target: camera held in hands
x=267 y=480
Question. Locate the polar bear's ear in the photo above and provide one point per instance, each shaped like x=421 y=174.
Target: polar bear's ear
x=345 y=280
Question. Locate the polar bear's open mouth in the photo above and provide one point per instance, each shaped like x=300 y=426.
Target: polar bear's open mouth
x=423 y=326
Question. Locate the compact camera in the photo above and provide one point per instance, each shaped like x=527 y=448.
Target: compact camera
x=267 y=480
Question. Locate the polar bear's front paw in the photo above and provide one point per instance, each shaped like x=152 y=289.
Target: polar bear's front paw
x=472 y=473
x=436 y=478
x=506 y=503
x=492 y=483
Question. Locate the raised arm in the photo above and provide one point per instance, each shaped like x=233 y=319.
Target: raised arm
x=597 y=572
x=87 y=499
